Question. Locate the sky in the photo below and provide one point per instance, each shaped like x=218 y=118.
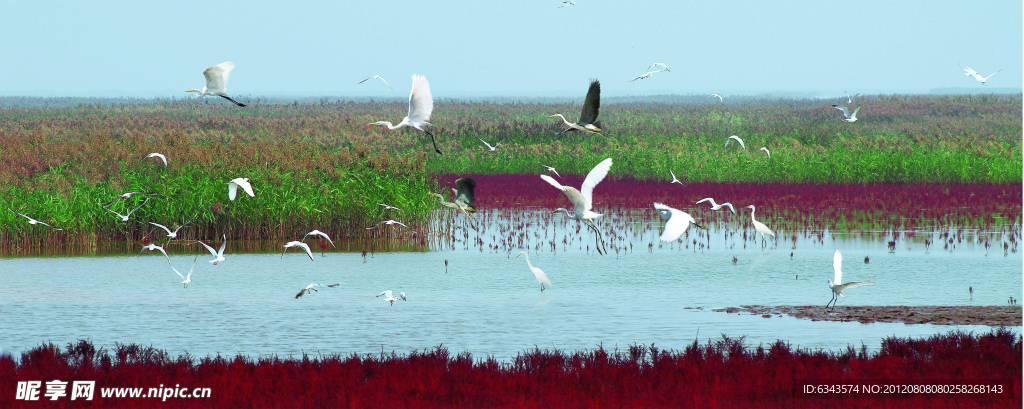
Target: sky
x=514 y=49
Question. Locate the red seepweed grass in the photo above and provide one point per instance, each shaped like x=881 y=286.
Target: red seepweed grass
x=723 y=373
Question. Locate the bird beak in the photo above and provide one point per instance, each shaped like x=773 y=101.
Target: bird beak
x=552 y=116
x=191 y=90
x=373 y=123
x=695 y=224
x=517 y=255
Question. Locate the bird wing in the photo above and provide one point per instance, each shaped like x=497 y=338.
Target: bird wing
x=853 y=284
x=399 y=223
x=464 y=191
x=194 y=261
x=245 y=186
x=360 y=82
x=591 y=104
x=179 y=273
x=401 y=296
x=300 y=293
x=217 y=76
x=223 y=244
x=990 y=75
x=846 y=112
x=730 y=207
x=232 y=190
x=385 y=82
x=707 y=199
x=306 y=247
x=485 y=143
x=162 y=227
x=552 y=181
x=421 y=103
x=212 y=251
x=385 y=293
x=676 y=224
x=854 y=116
x=737 y=138
x=765 y=149
x=139 y=206
x=595 y=176
x=837 y=264
x=157 y=155
x=324 y=235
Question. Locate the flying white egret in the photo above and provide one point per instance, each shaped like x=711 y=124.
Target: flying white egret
x=846 y=112
x=968 y=71
x=983 y=79
x=34 y=221
x=152 y=247
x=567 y=3
x=187 y=279
x=583 y=199
x=645 y=75
x=464 y=198
x=716 y=206
x=552 y=170
x=234 y=184
x=541 y=277
x=158 y=155
x=836 y=285
x=737 y=138
x=760 y=227
x=387 y=222
x=765 y=149
x=299 y=244
x=421 y=104
x=389 y=207
x=377 y=77
x=321 y=234
x=125 y=196
x=492 y=148
x=388 y=297
x=219 y=254
x=849 y=99
x=170 y=234
x=124 y=217
x=658 y=64
x=719 y=96
x=588 y=117
x=678 y=222
x=217 y=82
x=674 y=178
x=312 y=288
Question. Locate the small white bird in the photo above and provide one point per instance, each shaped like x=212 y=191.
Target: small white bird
x=972 y=73
x=388 y=297
x=235 y=183
x=716 y=206
x=321 y=234
x=674 y=179
x=846 y=112
x=836 y=285
x=187 y=279
x=678 y=222
x=645 y=75
x=125 y=196
x=299 y=244
x=377 y=77
x=34 y=221
x=219 y=254
x=492 y=148
x=389 y=207
x=541 y=277
x=567 y=3
x=765 y=149
x=387 y=222
x=552 y=170
x=421 y=104
x=760 y=227
x=849 y=99
x=158 y=155
x=312 y=288
x=152 y=247
x=217 y=82
x=737 y=138
x=719 y=98
x=170 y=234
x=124 y=217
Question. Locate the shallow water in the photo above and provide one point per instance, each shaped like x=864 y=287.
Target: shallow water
x=489 y=303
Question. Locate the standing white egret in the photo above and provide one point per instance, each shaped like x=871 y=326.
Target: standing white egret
x=33 y=221
x=583 y=199
x=187 y=279
x=836 y=285
x=217 y=82
x=124 y=217
x=321 y=234
x=492 y=148
x=588 y=117
x=674 y=178
x=464 y=198
x=678 y=222
x=219 y=254
x=158 y=155
x=849 y=99
x=552 y=170
x=153 y=247
x=299 y=244
x=389 y=207
x=170 y=234
x=737 y=138
x=765 y=149
x=846 y=112
x=235 y=183
x=377 y=77
x=719 y=96
x=421 y=104
x=716 y=206
x=760 y=227
x=388 y=297
x=541 y=277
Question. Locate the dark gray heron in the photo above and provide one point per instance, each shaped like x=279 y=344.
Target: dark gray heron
x=464 y=198
x=588 y=118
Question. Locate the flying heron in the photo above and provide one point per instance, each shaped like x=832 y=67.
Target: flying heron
x=677 y=223
x=582 y=200
x=588 y=118
x=421 y=104
x=464 y=198
x=217 y=82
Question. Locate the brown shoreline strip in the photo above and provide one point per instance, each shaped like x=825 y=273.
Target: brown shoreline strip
x=939 y=315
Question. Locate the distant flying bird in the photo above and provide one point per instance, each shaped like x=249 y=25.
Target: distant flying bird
x=846 y=113
x=312 y=288
x=187 y=279
x=321 y=234
x=464 y=197
x=658 y=64
x=389 y=207
x=849 y=99
x=737 y=138
x=492 y=148
x=677 y=223
x=717 y=96
x=541 y=277
x=421 y=104
x=716 y=206
x=158 y=155
x=583 y=199
x=217 y=82
x=388 y=297
x=765 y=149
x=645 y=75
x=968 y=71
x=378 y=77
x=299 y=244
x=972 y=73
x=567 y=3
x=170 y=234
x=552 y=170
x=152 y=247
x=387 y=222
x=674 y=179
x=234 y=184
x=219 y=254
x=34 y=221
x=125 y=196
x=836 y=285
x=124 y=217
x=588 y=118
x=760 y=227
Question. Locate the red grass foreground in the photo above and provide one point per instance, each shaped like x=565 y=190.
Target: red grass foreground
x=722 y=374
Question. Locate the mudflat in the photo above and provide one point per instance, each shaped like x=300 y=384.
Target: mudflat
x=940 y=315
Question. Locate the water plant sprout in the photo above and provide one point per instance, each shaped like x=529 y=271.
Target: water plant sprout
x=217 y=82
x=836 y=285
x=421 y=104
x=541 y=277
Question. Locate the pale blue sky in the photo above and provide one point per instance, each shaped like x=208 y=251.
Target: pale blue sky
x=506 y=48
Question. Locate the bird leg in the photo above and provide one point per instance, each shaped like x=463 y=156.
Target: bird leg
x=541 y=287
x=432 y=141
x=236 y=102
